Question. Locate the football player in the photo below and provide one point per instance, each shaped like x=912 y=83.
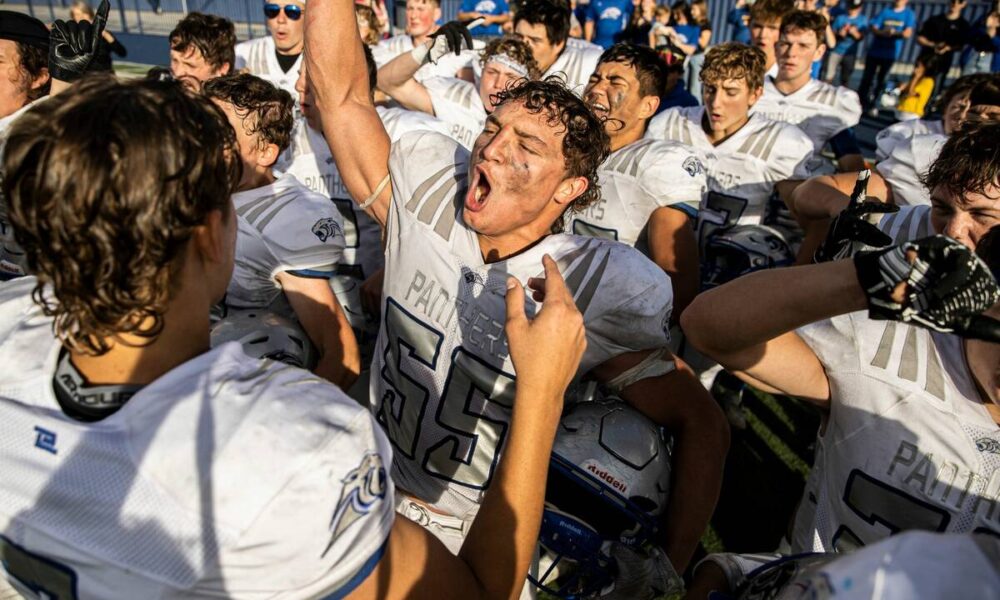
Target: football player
x=765 y=27
x=24 y=52
x=650 y=189
x=745 y=154
x=456 y=227
x=277 y=57
x=954 y=104
x=909 y=391
x=290 y=239
x=358 y=281
x=544 y=25
x=461 y=104
x=144 y=464
x=422 y=17
x=826 y=113
x=202 y=47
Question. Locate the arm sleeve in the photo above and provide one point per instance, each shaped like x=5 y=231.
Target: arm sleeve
x=118 y=48
x=308 y=241
x=678 y=180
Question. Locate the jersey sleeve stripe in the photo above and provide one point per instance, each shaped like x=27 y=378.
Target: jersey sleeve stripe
x=360 y=576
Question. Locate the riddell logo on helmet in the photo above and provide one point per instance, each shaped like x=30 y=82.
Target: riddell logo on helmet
x=604 y=475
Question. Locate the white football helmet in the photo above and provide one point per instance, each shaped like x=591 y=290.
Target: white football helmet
x=609 y=480
x=744 y=249
x=265 y=334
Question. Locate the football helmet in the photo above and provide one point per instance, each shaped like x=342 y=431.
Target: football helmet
x=609 y=480
x=347 y=289
x=744 y=249
x=264 y=334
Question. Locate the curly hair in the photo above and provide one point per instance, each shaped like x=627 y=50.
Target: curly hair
x=366 y=14
x=34 y=62
x=806 y=20
x=214 y=37
x=770 y=11
x=514 y=48
x=649 y=66
x=969 y=161
x=265 y=109
x=733 y=60
x=104 y=190
x=585 y=145
x=554 y=15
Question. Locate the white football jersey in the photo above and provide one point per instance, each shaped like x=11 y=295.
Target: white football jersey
x=226 y=477
x=635 y=181
x=445 y=382
x=258 y=57
x=909 y=161
x=819 y=109
x=742 y=170
x=457 y=102
x=910 y=223
x=282 y=227
x=908 y=443
x=448 y=66
x=890 y=137
x=575 y=65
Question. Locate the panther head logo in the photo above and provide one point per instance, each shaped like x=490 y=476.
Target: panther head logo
x=327 y=228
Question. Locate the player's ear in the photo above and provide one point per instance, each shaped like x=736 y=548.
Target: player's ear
x=570 y=189
x=268 y=155
x=820 y=51
x=41 y=80
x=648 y=106
x=209 y=239
x=755 y=95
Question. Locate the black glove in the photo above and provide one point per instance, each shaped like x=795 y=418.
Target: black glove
x=948 y=287
x=72 y=45
x=850 y=231
x=449 y=38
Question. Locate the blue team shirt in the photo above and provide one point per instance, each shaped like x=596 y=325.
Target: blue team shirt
x=677 y=97
x=689 y=33
x=849 y=45
x=896 y=20
x=741 y=33
x=487 y=7
x=610 y=17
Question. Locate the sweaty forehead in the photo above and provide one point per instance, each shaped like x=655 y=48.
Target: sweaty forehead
x=529 y=124
x=966 y=200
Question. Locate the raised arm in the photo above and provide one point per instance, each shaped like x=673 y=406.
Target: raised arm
x=338 y=75
x=395 y=78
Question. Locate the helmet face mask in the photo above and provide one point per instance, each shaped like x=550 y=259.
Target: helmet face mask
x=268 y=335
x=743 y=249
x=609 y=479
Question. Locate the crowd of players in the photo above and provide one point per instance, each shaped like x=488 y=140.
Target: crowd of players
x=519 y=234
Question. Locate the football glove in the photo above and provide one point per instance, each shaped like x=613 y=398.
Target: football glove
x=947 y=287
x=643 y=574
x=72 y=45
x=851 y=231
x=447 y=39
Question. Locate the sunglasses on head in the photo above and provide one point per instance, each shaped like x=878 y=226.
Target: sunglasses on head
x=292 y=11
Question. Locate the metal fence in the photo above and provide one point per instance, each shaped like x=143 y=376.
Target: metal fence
x=141 y=16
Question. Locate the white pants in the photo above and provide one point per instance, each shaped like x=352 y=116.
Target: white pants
x=451 y=531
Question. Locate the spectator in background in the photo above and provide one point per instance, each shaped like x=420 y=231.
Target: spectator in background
x=381 y=15
x=82 y=11
x=889 y=28
x=739 y=19
x=606 y=20
x=983 y=52
x=915 y=93
x=639 y=32
x=943 y=35
x=849 y=28
x=658 y=37
x=765 y=26
x=675 y=94
x=368 y=24
x=495 y=12
x=692 y=67
x=685 y=31
x=202 y=47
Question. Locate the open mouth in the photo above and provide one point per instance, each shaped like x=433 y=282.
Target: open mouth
x=479 y=191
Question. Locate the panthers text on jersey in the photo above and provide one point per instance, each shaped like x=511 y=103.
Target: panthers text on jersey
x=742 y=170
x=890 y=137
x=281 y=227
x=908 y=442
x=635 y=181
x=258 y=57
x=442 y=378
x=226 y=477
x=457 y=102
x=910 y=160
x=448 y=66
x=819 y=109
